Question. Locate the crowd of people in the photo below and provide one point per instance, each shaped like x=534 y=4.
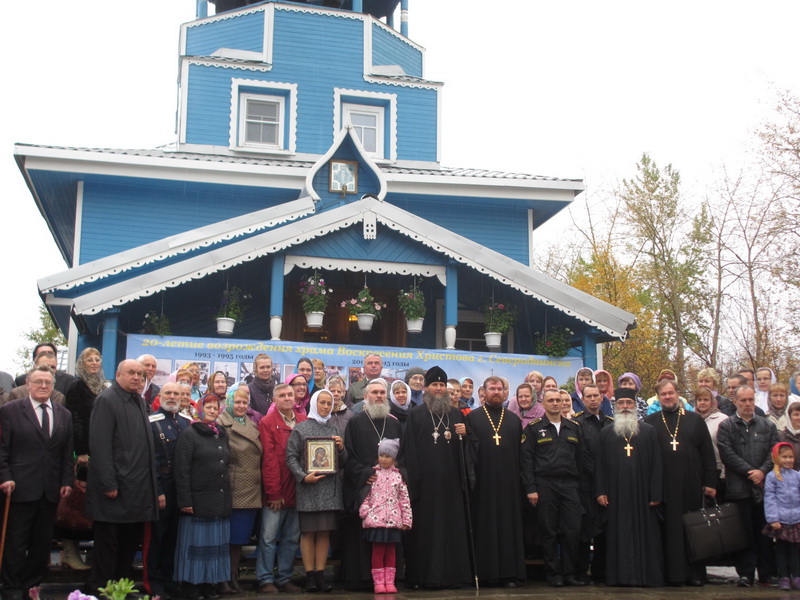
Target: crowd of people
x=436 y=481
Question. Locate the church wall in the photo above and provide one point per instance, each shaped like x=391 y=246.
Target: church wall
x=124 y=213
x=501 y=227
x=245 y=32
x=388 y=49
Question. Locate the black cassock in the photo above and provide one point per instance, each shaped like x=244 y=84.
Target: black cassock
x=361 y=438
x=687 y=469
x=496 y=507
x=634 y=555
x=436 y=546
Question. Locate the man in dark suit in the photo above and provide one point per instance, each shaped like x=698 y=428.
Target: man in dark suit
x=35 y=470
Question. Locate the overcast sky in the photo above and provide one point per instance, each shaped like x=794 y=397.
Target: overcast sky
x=568 y=89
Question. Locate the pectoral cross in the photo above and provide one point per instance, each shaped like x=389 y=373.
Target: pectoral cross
x=435 y=435
x=674 y=443
x=628 y=449
x=496 y=437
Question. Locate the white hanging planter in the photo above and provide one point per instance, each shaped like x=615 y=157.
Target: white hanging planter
x=493 y=340
x=225 y=325
x=365 y=321
x=414 y=325
x=314 y=319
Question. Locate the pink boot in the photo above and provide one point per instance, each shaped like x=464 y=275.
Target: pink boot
x=389 y=579
x=378 y=579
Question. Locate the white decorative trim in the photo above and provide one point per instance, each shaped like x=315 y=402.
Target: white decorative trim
x=494 y=275
x=364 y=266
x=269 y=33
x=224 y=16
x=183 y=101
x=428 y=85
x=391 y=105
x=175 y=245
x=370 y=226
x=342 y=14
x=222 y=63
x=367 y=48
x=338 y=140
x=288 y=116
x=76 y=244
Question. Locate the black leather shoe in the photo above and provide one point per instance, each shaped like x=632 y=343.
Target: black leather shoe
x=509 y=584
x=571 y=580
x=556 y=580
x=695 y=583
x=744 y=582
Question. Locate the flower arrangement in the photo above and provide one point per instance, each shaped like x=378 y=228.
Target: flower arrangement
x=412 y=303
x=364 y=304
x=155 y=324
x=314 y=293
x=114 y=590
x=498 y=317
x=233 y=305
x=555 y=342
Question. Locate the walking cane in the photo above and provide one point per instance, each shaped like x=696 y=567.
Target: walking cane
x=5 y=526
x=465 y=485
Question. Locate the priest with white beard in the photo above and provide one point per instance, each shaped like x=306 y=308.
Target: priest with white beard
x=629 y=482
x=362 y=436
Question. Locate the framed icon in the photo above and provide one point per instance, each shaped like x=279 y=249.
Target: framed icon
x=321 y=456
x=344 y=176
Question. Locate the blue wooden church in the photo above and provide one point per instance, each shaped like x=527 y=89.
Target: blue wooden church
x=308 y=141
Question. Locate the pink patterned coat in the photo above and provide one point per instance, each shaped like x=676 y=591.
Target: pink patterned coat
x=387 y=504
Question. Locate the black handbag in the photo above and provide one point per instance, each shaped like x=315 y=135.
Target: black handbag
x=714 y=531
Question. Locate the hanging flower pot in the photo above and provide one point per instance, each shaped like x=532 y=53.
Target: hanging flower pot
x=414 y=325
x=493 y=340
x=364 y=308
x=225 y=325
x=365 y=321
x=314 y=319
x=412 y=304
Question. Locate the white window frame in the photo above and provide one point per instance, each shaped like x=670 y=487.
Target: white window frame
x=244 y=99
x=287 y=114
x=345 y=101
x=379 y=112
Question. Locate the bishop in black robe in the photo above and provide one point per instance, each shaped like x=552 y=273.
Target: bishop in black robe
x=631 y=479
x=689 y=466
x=496 y=508
x=436 y=547
x=361 y=439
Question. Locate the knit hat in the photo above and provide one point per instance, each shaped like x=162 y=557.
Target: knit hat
x=389 y=446
x=435 y=374
x=414 y=371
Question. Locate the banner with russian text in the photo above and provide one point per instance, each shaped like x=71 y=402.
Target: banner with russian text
x=235 y=358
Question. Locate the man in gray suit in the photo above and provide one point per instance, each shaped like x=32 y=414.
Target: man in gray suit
x=36 y=471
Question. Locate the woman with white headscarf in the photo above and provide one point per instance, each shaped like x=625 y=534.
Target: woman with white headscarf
x=400 y=400
x=319 y=495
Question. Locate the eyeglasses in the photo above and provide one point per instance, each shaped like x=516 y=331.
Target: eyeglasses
x=40 y=383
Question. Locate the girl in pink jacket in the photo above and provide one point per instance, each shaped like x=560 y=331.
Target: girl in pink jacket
x=385 y=512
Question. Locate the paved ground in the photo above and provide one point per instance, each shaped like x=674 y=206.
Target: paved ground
x=721 y=587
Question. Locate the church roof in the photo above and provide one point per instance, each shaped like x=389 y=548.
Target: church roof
x=167 y=154
x=529 y=281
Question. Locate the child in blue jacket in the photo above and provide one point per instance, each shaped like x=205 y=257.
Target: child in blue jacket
x=782 y=511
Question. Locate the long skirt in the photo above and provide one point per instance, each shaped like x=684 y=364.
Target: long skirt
x=202 y=554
